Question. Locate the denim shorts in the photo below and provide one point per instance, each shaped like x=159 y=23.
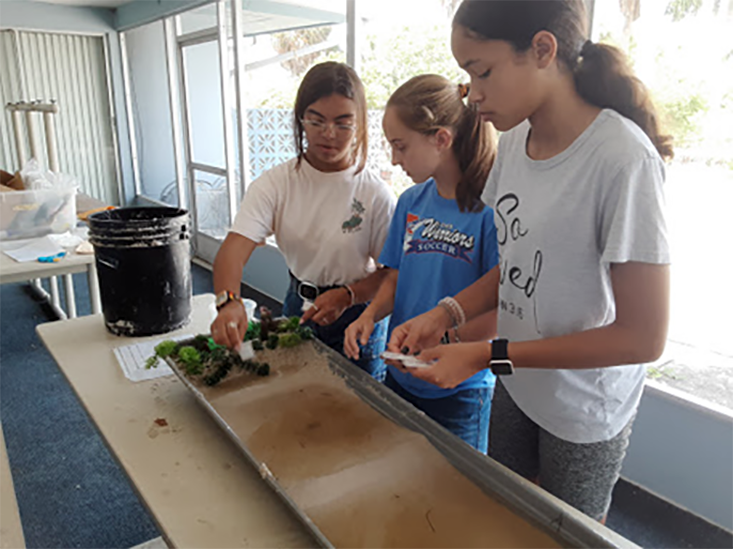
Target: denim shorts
x=465 y=413
x=333 y=335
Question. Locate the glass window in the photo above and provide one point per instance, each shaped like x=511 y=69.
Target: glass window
x=682 y=50
x=276 y=64
x=400 y=40
x=196 y=20
x=148 y=85
x=203 y=88
x=212 y=204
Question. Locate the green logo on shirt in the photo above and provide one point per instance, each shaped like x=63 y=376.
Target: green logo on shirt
x=354 y=223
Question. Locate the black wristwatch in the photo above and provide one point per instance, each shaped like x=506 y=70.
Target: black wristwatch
x=500 y=363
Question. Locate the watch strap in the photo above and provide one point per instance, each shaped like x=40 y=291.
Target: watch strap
x=499 y=349
x=222 y=301
x=500 y=363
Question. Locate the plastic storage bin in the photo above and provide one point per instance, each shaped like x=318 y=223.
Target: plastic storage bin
x=28 y=214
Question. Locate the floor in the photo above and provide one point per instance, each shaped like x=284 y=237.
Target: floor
x=72 y=493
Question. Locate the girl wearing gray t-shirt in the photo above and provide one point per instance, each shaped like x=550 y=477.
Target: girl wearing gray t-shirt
x=582 y=287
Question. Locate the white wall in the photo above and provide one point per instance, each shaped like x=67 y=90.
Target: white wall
x=145 y=11
x=29 y=15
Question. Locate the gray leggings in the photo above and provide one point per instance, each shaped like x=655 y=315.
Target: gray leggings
x=582 y=475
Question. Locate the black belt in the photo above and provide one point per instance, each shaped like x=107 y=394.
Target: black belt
x=308 y=291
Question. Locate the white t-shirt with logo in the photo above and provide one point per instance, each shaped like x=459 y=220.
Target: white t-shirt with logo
x=329 y=226
x=561 y=223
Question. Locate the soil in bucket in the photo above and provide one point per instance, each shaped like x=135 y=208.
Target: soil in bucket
x=144 y=268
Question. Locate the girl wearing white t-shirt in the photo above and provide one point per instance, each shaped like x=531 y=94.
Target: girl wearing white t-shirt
x=582 y=287
x=329 y=215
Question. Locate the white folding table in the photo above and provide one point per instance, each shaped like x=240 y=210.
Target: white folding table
x=197 y=485
x=13 y=271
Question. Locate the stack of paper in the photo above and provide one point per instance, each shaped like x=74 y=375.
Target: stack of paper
x=31 y=250
x=132 y=359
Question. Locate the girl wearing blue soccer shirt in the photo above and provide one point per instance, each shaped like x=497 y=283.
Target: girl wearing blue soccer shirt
x=442 y=239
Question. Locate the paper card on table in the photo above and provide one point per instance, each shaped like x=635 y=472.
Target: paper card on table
x=38 y=247
x=132 y=359
x=246 y=351
x=407 y=360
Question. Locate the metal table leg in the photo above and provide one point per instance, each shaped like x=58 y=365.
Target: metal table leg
x=94 y=288
x=70 y=297
x=56 y=298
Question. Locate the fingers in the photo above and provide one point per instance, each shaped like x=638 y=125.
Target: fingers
x=327 y=308
x=243 y=325
x=393 y=347
x=398 y=336
x=366 y=332
x=351 y=349
x=324 y=314
x=220 y=334
x=229 y=327
x=411 y=344
x=358 y=333
x=317 y=314
x=336 y=300
x=431 y=355
x=232 y=331
x=216 y=334
x=307 y=315
x=395 y=364
x=432 y=374
x=452 y=364
x=323 y=317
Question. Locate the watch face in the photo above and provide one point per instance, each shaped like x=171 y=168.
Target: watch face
x=221 y=298
x=502 y=367
x=307 y=291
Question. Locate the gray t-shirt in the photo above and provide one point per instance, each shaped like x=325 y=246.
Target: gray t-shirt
x=561 y=223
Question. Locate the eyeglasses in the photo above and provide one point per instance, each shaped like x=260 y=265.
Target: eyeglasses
x=342 y=130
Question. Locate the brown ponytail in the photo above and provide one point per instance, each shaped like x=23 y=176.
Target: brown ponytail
x=602 y=74
x=429 y=102
x=604 y=78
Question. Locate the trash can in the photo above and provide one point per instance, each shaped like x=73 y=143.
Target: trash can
x=144 y=268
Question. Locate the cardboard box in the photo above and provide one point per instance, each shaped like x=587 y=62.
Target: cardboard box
x=12 y=181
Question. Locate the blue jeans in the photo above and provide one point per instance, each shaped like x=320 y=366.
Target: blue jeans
x=333 y=335
x=465 y=413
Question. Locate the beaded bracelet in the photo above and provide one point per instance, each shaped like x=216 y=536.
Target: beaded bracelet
x=448 y=310
x=454 y=309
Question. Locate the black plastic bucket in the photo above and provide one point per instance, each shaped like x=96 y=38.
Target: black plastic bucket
x=144 y=269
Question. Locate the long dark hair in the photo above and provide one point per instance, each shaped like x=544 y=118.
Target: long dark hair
x=324 y=80
x=602 y=74
x=429 y=102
